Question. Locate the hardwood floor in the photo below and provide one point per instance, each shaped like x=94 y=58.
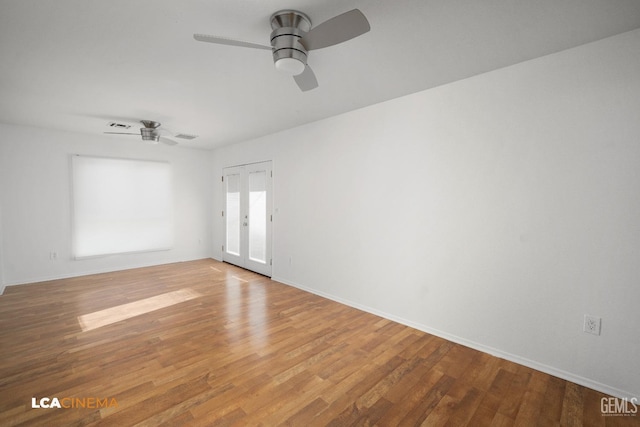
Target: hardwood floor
x=210 y=344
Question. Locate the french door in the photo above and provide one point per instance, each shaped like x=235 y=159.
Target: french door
x=247 y=216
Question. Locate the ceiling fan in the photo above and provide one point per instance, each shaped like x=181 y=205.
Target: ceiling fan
x=150 y=133
x=292 y=38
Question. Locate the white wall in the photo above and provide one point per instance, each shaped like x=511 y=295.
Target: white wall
x=35 y=190
x=495 y=211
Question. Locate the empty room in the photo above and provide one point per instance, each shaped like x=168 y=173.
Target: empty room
x=312 y=213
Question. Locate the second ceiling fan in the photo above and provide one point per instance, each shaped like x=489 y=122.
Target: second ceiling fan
x=151 y=133
x=293 y=37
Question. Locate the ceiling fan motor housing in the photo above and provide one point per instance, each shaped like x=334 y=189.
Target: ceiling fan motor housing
x=289 y=26
x=150 y=131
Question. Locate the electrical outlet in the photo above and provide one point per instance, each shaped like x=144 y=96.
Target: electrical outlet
x=592 y=324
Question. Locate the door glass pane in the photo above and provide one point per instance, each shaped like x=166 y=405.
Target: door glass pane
x=233 y=214
x=258 y=216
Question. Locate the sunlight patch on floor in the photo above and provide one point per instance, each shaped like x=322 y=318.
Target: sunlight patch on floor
x=115 y=314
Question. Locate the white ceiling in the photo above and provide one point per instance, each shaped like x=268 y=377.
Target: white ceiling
x=75 y=65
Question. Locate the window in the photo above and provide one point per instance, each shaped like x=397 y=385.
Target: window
x=120 y=206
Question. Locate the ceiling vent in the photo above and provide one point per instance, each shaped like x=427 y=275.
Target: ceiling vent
x=118 y=125
x=185 y=136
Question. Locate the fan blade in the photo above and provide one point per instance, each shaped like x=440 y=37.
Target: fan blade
x=306 y=80
x=228 y=41
x=122 y=133
x=336 y=30
x=167 y=141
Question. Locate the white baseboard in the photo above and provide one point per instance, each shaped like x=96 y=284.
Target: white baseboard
x=565 y=375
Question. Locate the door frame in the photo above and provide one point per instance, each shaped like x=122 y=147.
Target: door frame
x=243 y=260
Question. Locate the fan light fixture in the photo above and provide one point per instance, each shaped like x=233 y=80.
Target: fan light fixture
x=290 y=66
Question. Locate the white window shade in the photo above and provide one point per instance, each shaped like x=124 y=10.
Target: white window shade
x=120 y=206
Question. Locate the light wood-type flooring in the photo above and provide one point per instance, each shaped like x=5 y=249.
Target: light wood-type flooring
x=204 y=343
